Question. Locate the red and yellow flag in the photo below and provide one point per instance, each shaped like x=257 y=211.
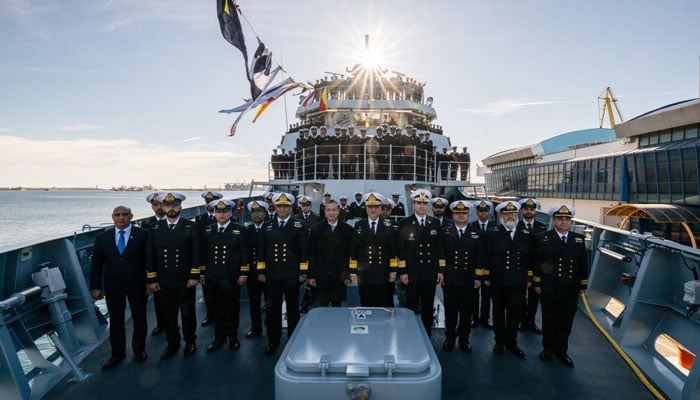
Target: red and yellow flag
x=322 y=105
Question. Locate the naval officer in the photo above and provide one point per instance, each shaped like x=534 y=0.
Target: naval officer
x=202 y=221
x=561 y=275
x=282 y=265
x=159 y=214
x=508 y=271
x=528 y=209
x=373 y=260
x=256 y=289
x=173 y=259
x=119 y=265
x=421 y=257
x=481 y=305
x=226 y=269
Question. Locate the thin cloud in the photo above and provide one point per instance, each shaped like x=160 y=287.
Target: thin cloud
x=92 y=163
x=508 y=106
x=4 y=130
x=192 y=139
x=81 y=128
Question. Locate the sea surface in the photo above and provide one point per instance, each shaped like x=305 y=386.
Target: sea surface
x=35 y=215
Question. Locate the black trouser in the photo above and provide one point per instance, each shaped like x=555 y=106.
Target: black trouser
x=180 y=300
x=276 y=292
x=376 y=294
x=485 y=303
x=458 y=301
x=255 y=293
x=159 y=310
x=207 y=301
x=508 y=306
x=226 y=309
x=558 y=312
x=329 y=290
x=116 y=305
x=422 y=291
x=533 y=300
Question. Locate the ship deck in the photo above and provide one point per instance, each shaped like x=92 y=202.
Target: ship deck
x=598 y=372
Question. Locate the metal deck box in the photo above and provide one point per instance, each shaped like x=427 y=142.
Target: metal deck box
x=358 y=353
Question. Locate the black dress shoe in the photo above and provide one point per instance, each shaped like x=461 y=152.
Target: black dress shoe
x=169 y=351
x=498 y=349
x=215 y=345
x=207 y=321
x=486 y=323
x=270 y=348
x=448 y=345
x=475 y=323
x=190 y=349
x=464 y=345
x=112 y=362
x=564 y=359
x=233 y=344
x=546 y=355
x=516 y=350
x=140 y=357
x=253 y=333
x=157 y=331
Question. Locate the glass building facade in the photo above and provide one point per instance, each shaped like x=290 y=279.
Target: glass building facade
x=663 y=169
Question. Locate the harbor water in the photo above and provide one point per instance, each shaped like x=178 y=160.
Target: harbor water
x=28 y=216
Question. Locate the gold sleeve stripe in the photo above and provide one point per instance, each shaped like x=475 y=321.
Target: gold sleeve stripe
x=584 y=281
x=195 y=271
x=394 y=262
x=441 y=262
x=353 y=264
x=479 y=272
x=203 y=268
x=151 y=275
x=487 y=272
x=245 y=268
x=402 y=263
x=304 y=266
x=260 y=265
x=529 y=273
x=537 y=279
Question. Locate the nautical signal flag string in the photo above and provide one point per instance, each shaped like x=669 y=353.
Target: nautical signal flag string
x=261 y=72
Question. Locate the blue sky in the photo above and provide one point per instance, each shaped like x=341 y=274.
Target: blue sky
x=105 y=93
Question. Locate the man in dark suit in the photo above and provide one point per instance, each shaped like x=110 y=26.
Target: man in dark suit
x=119 y=265
x=508 y=271
x=373 y=260
x=528 y=209
x=174 y=267
x=226 y=255
x=202 y=221
x=256 y=289
x=421 y=257
x=282 y=265
x=329 y=254
x=159 y=214
x=561 y=274
x=481 y=305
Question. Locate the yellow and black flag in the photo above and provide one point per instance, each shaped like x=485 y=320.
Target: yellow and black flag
x=231 y=28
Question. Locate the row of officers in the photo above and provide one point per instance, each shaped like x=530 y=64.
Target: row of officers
x=277 y=252
x=388 y=154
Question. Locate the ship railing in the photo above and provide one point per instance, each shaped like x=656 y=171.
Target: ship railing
x=643 y=294
x=366 y=161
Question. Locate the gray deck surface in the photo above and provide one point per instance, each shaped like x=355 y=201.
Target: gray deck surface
x=599 y=373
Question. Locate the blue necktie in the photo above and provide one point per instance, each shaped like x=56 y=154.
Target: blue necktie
x=121 y=243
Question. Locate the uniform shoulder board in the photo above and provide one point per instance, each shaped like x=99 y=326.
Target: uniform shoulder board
x=297 y=224
x=236 y=232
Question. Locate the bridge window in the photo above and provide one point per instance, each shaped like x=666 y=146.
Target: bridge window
x=675 y=353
